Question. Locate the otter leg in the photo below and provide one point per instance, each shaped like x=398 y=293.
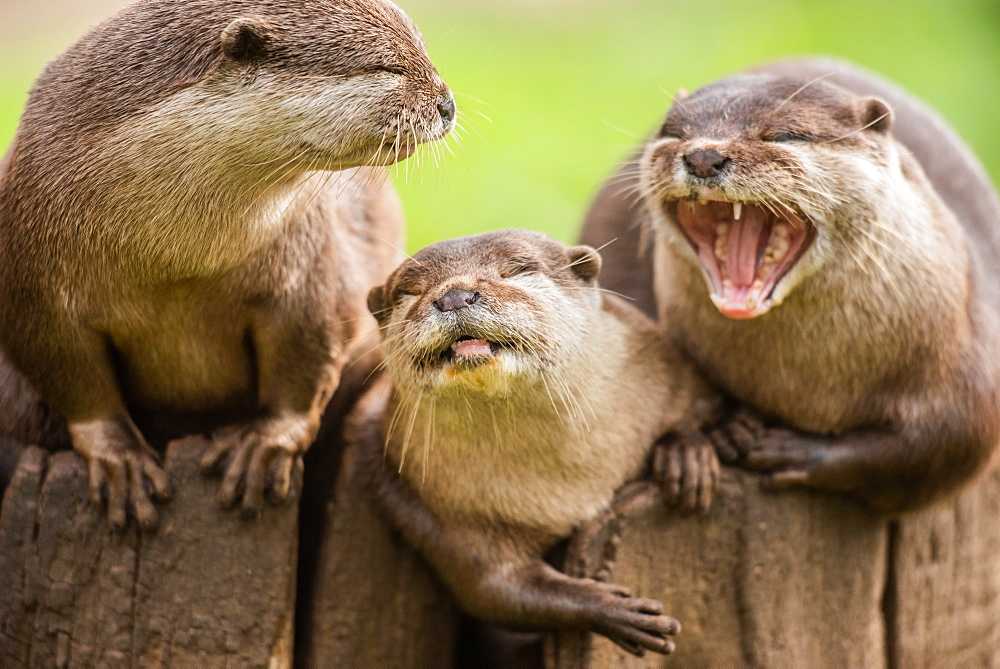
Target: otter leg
x=498 y=575
x=296 y=378
x=78 y=379
x=686 y=467
x=891 y=472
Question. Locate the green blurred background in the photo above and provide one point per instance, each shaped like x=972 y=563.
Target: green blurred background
x=572 y=86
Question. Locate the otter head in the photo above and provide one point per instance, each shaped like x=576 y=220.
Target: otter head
x=340 y=83
x=490 y=312
x=752 y=176
x=285 y=86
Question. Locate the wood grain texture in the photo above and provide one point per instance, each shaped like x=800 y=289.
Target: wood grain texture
x=776 y=580
x=209 y=588
x=375 y=603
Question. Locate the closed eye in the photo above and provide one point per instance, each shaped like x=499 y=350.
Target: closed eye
x=787 y=136
x=517 y=267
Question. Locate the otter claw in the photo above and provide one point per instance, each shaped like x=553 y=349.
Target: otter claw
x=259 y=468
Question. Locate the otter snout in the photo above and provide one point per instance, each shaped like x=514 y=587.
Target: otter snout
x=446 y=107
x=454 y=300
x=705 y=163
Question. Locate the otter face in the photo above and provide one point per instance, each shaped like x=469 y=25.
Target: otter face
x=341 y=84
x=750 y=176
x=487 y=312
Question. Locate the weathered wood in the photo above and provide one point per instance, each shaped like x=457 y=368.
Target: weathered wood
x=375 y=603
x=775 y=580
x=208 y=588
x=946 y=570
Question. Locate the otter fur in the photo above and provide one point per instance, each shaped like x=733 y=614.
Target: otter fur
x=191 y=214
x=523 y=397
x=826 y=251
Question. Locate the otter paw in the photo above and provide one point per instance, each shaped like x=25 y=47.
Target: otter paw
x=258 y=462
x=634 y=623
x=786 y=458
x=126 y=480
x=737 y=436
x=686 y=467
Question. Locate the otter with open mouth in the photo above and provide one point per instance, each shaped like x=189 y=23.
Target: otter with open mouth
x=822 y=274
x=523 y=398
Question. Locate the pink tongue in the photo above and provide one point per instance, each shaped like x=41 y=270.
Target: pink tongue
x=471 y=347
x=744 y=241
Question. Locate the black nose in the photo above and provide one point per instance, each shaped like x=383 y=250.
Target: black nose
x=454 y=300
x=706 y=163
x=446 y=105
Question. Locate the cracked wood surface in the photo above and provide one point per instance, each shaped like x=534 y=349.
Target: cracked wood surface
x=208 y=588
x=374 y=601
x=797 y=579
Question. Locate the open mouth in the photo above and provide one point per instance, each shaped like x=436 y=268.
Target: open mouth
x=745 y=247
x=470 y=350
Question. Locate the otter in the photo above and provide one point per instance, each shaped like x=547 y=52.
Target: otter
x=191 y=214
x=522 y=398
x=826 y=251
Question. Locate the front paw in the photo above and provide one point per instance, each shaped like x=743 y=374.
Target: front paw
x=786 y=458
x=258 y=460
x=123 y=471
x=634 y=623
x=686 y=468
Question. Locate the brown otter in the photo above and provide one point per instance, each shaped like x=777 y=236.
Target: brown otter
x=523 y=398
x=820 y=272
x=188 y=228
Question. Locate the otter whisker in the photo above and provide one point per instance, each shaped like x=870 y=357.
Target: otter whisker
x=802 y=88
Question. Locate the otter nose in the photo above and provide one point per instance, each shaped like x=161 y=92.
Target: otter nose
x=705 y=163
x=454 y=300
x=446 y=107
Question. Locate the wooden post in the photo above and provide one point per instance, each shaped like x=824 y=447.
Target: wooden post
x=208 y=588
x=374 y=602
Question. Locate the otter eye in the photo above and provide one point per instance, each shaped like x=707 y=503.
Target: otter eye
x=412 y=291
x=786 y=136
x=669 y=131
x=516 y=267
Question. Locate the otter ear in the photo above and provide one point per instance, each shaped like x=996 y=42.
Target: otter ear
x=376 y=304
x=245 y=38
x=584 y=261
x=876 y=115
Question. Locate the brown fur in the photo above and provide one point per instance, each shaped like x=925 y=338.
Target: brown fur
x=173 y=254
x=880 y=350
x=501 y=456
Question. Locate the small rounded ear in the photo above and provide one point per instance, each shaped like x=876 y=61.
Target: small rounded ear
x=245 y=39
x=584 y=261
x=376 y=303
x=876 y=115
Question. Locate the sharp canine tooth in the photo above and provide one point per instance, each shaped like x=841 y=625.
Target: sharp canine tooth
x=737 y=210
x=692 y=205
x=758 y=284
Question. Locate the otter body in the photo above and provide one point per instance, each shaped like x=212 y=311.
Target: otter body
x=813 y=271
x=523 y=399
x=191 y=214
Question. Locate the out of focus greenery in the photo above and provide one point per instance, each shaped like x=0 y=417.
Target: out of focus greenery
x=572 y=86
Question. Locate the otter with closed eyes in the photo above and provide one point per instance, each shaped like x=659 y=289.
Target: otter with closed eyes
x=522 y=398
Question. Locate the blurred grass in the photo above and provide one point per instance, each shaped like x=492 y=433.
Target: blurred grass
x=572 y=87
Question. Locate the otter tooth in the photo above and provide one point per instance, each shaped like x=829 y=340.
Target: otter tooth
x=737 y=210
x=751 y=303
x=758 y=285
x=692 y=206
